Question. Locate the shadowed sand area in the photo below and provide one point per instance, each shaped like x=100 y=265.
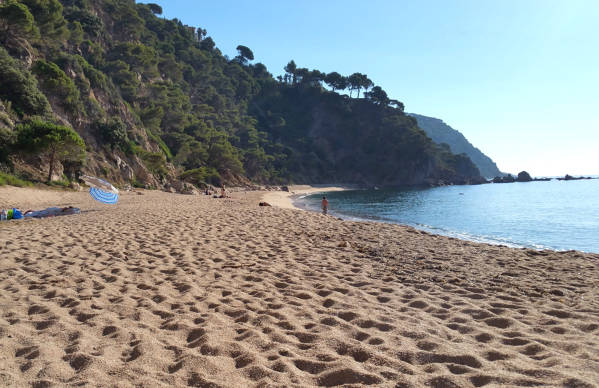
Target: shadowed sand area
x=171 y=290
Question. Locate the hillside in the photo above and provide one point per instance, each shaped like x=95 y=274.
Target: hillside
x=441 y=133
x=156 y=104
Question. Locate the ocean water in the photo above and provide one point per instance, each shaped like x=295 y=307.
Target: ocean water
x=558 y=215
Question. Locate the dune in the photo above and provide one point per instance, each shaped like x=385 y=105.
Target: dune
x=168 y=290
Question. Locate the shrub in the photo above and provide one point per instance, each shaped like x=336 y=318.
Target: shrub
x=8 y=179
x=199 y=176
x=114 y=132
x=18 y=20
x=7 y=140
x=18 y=86
x=55 y=81
x=155 y=162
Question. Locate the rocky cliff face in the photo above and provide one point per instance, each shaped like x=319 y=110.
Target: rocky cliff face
x=441 y=133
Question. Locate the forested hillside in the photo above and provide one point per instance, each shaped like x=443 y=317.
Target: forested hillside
x=155 y=103
x=440 y=133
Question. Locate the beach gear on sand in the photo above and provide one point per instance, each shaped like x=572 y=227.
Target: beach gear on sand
x=16 y=214
x=101 y=191
x=53 y=212
x=11 y=214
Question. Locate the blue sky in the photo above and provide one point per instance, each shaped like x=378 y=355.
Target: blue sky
x=519 y=78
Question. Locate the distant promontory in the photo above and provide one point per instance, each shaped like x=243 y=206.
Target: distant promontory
x=441 y=133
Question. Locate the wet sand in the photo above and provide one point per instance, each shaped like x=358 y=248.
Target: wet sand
x=171 y=290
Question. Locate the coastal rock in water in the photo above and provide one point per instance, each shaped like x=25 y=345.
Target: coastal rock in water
x=508 y=179
x=524 y=176
x=573 y=178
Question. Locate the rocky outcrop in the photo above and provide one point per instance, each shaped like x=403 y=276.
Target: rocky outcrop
x=524 y=176
x=505 y=179
x=440 y=133
x=573 y=178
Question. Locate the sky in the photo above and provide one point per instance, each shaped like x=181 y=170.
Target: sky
x=519 y=78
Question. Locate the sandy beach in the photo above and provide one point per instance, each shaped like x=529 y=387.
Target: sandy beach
x=169 y=290
x=285 y=199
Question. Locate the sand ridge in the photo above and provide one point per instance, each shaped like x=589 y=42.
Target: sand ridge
x=173 y=290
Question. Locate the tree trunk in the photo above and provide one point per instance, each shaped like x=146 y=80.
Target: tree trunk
x=51 y=168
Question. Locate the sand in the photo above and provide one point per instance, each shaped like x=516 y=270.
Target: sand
x=167 y=290
x=286 y=199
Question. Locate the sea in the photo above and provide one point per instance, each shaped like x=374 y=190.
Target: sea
x=557 y=215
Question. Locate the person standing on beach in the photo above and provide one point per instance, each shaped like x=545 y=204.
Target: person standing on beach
x=325 y=205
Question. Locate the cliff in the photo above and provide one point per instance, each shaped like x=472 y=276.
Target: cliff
x=441 y=133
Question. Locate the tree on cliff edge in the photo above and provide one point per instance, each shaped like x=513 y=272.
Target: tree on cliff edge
x=57 y=142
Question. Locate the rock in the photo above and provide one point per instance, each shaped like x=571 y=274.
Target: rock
x=139 y=193
x=344 y=244
x=497 y=179
x=264 y=204
x=75 y=186
x=285 y=188
x=189 y=189
x=508 y=179
x=126 y=171
x=524 y=176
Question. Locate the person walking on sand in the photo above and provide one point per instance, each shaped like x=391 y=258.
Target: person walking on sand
x=325 y=205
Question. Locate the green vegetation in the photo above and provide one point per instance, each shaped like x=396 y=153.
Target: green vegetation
x=57 y=142
x=16 y=22
x=113 y=132
x=18 y=86
x=157 y=89
x=8 y=179
x=55 y=82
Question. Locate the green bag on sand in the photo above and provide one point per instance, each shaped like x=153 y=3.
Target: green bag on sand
x=9 y=214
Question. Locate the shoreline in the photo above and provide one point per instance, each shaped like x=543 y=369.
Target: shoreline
x=179 y=290
x=289 y=201
x=285 y=199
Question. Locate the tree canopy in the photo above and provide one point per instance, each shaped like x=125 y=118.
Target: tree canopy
x=57 y=142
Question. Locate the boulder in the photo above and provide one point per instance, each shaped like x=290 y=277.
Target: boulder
x=126 y=171
x=284 y=188
x=508 y=179
x=523 y=176
x=189 y=189
x=264 y=204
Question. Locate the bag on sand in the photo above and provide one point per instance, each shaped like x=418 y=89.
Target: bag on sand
x=16 y=214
